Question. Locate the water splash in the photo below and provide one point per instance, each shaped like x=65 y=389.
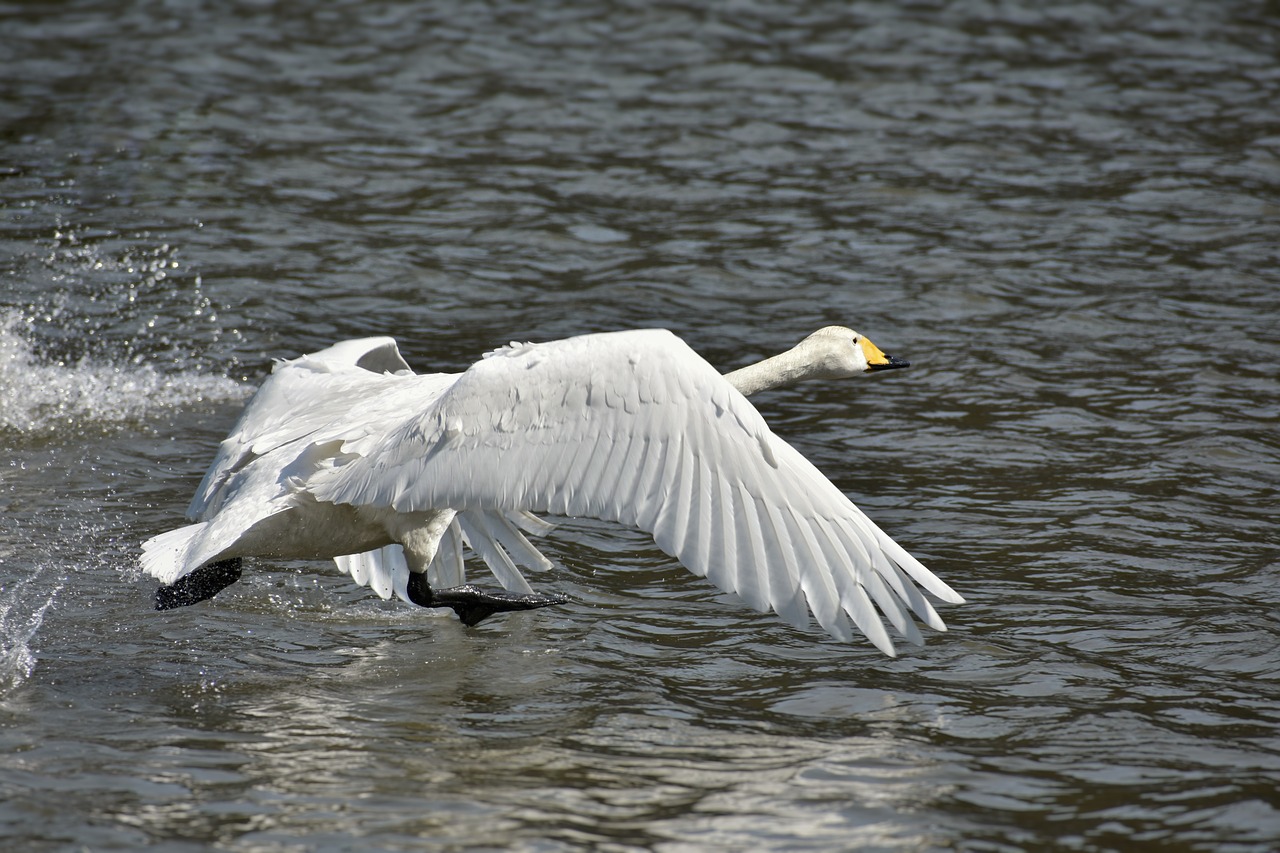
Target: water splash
x=41 y=397
x=22 y=607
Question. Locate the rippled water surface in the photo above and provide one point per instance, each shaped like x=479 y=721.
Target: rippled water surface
x=1066 y=216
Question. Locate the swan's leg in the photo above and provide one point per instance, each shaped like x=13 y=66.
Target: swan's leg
x=473 y=604
x=204 y=582
x=420 y=534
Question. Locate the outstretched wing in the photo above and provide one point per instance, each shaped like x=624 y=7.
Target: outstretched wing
x=635 y=427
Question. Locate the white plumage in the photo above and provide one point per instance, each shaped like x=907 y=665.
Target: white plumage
x=346 y=454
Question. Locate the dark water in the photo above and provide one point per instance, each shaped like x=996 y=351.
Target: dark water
x=1067 y=218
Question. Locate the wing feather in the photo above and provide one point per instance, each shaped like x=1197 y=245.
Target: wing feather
x=506 y=534
x=753 y=578
x=485 y=541
x=631 y=501
x=916 y=569
x=355 y=565
x=384 y=570
x=784 y=586
x=848 y=585
x=817 y=584
x=914 y=598
x=447 y=569
x=530 y=523
x=654 y=481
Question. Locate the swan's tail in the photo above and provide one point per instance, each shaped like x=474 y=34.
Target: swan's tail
x=165 y=557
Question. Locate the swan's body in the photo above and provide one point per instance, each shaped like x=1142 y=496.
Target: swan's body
x=346 y=454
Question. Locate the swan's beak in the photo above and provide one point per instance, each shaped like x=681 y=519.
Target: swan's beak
x=877 y=360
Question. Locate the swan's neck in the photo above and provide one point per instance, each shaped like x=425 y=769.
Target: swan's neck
x=779 y=371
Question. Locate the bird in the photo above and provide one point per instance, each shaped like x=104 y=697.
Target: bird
x=347 y=454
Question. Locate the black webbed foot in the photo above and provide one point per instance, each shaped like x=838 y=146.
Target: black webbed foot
x=473 y=604
x=204 y=582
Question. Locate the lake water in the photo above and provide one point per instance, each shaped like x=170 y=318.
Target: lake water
x=1066 y=216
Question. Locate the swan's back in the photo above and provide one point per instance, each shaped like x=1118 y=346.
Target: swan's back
x=635 y=427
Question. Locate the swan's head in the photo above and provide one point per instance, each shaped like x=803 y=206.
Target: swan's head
x=836 y=352
x=833 y=352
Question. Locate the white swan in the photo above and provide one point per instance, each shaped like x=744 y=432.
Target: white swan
x=346 y=454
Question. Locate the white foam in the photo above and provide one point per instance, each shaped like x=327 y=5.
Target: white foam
x=37 y=397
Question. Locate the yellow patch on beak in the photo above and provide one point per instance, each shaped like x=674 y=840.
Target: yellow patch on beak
x=873 y=353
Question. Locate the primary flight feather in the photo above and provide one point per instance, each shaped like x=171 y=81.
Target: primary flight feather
x=346 y=454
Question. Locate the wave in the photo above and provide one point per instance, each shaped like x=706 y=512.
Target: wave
x=39 y=398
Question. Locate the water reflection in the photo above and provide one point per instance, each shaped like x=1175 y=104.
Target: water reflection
x=554 y=763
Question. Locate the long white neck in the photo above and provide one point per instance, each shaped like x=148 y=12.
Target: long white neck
x=788 y=368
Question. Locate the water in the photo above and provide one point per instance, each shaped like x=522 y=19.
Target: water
x=1066 y=219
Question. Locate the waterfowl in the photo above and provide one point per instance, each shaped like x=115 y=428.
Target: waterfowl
x=346 y=454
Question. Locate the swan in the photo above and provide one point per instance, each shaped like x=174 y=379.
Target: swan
x=346 y=454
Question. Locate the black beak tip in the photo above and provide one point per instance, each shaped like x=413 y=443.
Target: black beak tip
x=891 y=363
